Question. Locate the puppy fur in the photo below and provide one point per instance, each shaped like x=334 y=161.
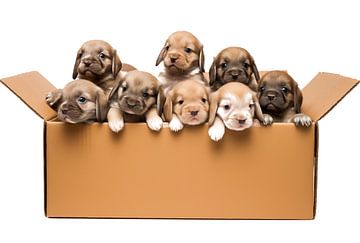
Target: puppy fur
x=234 y=106
x=79 y=101
x=98 y=62
x=233 y=64
x=280 y=97
x=133 y=99
x=187 y=103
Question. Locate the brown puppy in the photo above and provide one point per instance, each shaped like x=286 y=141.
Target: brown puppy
x=79 y=101
x=187 y=103
x=97 y=62
x=234 y=106
x=233 y=64
x=134 y=98
x=280 y=97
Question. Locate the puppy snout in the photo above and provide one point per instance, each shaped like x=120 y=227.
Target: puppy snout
x=64 y=109
x=87 y=62
x=194 y=113
x=132 y=102
x=241 y=121
x=271 y=96
x=173 y=57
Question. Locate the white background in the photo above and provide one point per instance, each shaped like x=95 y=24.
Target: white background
x=301 y=38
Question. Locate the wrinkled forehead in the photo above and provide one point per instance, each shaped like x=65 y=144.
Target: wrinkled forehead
x=97 y=46
x=139 y=82
x=234 y=54
x=191 y=92
x=75 y=90
x=184 y=40
x=277 y=78
x=236 y=100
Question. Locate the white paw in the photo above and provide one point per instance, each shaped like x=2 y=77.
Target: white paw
x=302 y=120
x=216 y=133
x=268 y=120
x=154 y=123
x=175 y=125
x=50 y=99
x=116 y=125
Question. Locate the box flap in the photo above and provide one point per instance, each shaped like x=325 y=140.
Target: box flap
x=32 y=89
x=324 y=92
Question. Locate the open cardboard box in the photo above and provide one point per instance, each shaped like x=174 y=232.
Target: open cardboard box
x=260 y=173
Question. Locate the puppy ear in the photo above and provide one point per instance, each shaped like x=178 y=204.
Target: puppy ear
x=297 y=98
x=202 y=60
x=254 y=69
x=160 y=101
x=168 y=107
x=101 y=106
x=116 y=64
x=76 y=65
x=118 y=82
x=258 y=112
x=213 y=107
x=162 y=54
x=212 y=72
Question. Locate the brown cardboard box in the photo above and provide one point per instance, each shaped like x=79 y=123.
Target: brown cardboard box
x=260 y=173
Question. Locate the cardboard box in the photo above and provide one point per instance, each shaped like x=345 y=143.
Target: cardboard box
x=260 y=173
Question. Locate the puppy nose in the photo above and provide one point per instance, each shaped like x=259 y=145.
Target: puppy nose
x=194 y=113
x=64 y=110
x=173 y=59
x=271 y=96
x=131 y=102
x=87 y=62
x=242 y=121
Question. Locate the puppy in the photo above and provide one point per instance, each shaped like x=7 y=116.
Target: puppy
x=234 y=106
x=187 y=103
x=79 y=101
x=97 y=62
x=133 y=98
x=280 y=97
x=233 y=64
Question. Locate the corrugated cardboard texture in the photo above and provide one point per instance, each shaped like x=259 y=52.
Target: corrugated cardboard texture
x=260 y=173
x=324 y=92
x=32 y=89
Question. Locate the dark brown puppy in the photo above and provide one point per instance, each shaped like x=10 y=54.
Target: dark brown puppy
x=98 y=62
x=280 y=97
x=79 y=101
x=233 y=64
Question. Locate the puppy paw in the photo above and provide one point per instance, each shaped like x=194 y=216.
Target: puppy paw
x=268 y=120
x=175 y=125
x=50 y=99
x=216 y=133
x=116 y=125
x=302 y=120
x=154 y=123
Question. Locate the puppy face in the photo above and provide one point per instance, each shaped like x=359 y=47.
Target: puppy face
x=189 y=101
x=278 y=92
x=96 y=60
x=182 y=53
x=80 y=101
x=233 y=64
x=236 y=105
x=136 y=92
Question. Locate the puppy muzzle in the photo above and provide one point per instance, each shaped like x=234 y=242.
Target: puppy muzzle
x=272 y=100
x=133 y=105
x=239 y=122
x=236 y=75
x=193 y=115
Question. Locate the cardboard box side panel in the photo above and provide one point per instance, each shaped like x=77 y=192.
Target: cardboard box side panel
x=45 y=170
x=324 y=92
x=316 y=156
x=32 y=89
x=260 y=173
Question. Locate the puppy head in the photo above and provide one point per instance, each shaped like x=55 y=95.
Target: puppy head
x=236 y=104
x=189 y=101
x=82 y=101
x=278 y=92
x=136 y=92
x=233 y=64
x=96 y=60
x=182 y=53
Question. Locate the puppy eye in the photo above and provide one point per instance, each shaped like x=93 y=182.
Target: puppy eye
x=246 y=65
x=145 y=94
x=124 y=89
x=181 y=102
x=167 y=48
x=262 y=89
x=101 y=55
x=223 y=65
x=284 y=89
x=251 y=106
x=226 y=107
x=187 y=50
x=203 y=100
x=82 y=100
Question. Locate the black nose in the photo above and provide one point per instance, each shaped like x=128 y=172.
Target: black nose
x=271 y=96
x=242 y=121
x=64 y=110
x=173 y=59
x=234 y=76
x=131 y=102
x=87 y=62
x=194 y=113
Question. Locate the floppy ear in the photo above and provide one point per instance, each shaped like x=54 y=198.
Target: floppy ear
x=76 y=65
x=160 y=101
x=168 y=109
x=258 y=112
x=254 y=69
x=212 y=72
x=117 y=84
x=162 y=54
x=297 y=98
x=202 y=60
x=101 y=106
x=213 y=107
x=116 y=64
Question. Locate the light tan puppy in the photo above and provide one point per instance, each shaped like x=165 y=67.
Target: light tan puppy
x=234 y=106
x=233 y=64
x=280 y=97
x=134 y=99
x=98 y=62
x=186 y=103
x=79 y=101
